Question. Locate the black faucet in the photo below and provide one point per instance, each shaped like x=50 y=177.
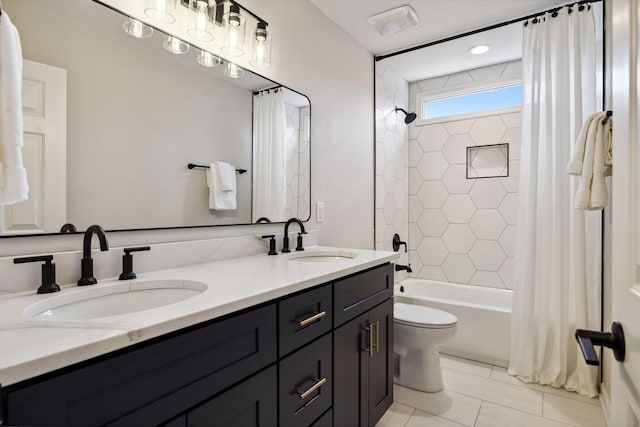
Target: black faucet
x=285 y=240
x=404 y=267
x=87 y=262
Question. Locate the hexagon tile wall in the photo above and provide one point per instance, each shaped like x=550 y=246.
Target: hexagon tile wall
x=462 y=230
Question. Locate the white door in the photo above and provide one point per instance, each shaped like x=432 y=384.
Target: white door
x=44 y=107
x=625 y=387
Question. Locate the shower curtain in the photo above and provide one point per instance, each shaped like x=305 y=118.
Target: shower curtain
x=558 y=253
x=269 y=155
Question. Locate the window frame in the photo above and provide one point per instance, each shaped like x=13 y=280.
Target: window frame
x=474 y=87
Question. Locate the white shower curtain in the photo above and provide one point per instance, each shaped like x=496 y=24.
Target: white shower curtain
x=269 y=177
x=558 y=256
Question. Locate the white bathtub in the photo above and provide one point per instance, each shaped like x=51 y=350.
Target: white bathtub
x=484 y=316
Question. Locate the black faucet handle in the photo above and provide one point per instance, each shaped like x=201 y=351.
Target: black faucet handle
x=397 y=243
x=48 y=284
x=299 y=245
x=272 y=243
x=127 y=262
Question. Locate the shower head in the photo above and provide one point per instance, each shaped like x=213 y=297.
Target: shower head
x=409 y=117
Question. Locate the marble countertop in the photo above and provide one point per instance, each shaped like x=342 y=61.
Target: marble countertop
x=33 y=347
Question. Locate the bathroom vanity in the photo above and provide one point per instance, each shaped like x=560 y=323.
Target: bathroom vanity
x=308 y=343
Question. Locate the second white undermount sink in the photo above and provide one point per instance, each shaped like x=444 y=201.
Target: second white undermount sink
x=322 y=256
x=114 y=299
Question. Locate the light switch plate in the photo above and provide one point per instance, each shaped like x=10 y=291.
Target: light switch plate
x=320 y=212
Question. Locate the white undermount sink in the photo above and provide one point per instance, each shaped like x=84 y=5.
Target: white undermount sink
x=113 y=299
x=322 y=256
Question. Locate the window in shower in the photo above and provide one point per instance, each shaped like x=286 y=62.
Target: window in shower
x=458 y=105
x=488 y=161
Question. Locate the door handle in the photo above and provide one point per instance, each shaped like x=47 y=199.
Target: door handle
x=377 y=324
x=371 y=346
x=613 y=340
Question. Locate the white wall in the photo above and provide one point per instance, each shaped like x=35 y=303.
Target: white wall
x=313 y=56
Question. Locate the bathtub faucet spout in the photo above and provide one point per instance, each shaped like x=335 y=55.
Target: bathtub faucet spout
x=404 y=267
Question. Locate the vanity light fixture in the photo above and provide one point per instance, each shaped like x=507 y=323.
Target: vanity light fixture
x=175 y=46
x=233 y=71
x=207 y=59
x=479 y=49
x=261 y=47
x=234 y=24
x=137 y=29
x=200 y=28
x=161 y=10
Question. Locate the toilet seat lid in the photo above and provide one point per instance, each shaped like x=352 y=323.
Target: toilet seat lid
x=422 y=317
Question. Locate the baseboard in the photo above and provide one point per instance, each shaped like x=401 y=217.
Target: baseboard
x=605 y=403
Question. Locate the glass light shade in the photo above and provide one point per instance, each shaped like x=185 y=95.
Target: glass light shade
x=235 y=26
x=200 y=26
x=137 y=29
x=261 y=47
x=207 y=59
x=161 y=10
x=176 y=46
x=233 y=71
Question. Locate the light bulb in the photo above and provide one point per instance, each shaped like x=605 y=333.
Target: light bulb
x=176 y=46
x=137 y=29
x=233 y=71
x=201 y=28
x=235 y=26
x=207 y=59
x=261 y=47
x=161 y=10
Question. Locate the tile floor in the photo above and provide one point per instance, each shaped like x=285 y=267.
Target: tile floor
x=481 y=395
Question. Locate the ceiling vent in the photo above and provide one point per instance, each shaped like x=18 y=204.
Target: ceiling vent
x=395 y=20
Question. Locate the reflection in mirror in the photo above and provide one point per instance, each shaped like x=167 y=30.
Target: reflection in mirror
x=281 y=136
x=112 y=121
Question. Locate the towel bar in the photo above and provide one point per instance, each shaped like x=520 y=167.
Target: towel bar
x=192 y=165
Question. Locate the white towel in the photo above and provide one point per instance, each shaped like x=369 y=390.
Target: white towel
x=591 y=160
x=219 y=199
x=227 y=176
x=13 y=176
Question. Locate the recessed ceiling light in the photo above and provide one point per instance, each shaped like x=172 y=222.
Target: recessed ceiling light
x=479 y=49
x=395 y=20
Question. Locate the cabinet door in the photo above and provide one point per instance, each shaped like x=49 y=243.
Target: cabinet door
x=381 y=364
x=252 y=403
x=351 y=365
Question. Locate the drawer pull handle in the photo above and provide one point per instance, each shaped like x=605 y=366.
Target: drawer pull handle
x=317 y=385
x=311 y=319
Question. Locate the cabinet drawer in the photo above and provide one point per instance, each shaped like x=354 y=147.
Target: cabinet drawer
x=153 y=382
x=304 y=317
x=358 y=293
x=252 y=403
x=305 y=387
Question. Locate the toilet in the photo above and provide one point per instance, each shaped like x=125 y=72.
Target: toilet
x=418 y=331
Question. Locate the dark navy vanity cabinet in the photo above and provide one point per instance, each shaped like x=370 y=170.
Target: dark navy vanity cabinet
x=321 y=357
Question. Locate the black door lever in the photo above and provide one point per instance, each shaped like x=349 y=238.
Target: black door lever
x=613 y=340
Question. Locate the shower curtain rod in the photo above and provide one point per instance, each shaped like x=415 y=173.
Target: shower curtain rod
x=267 y=90
x=480 y=30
